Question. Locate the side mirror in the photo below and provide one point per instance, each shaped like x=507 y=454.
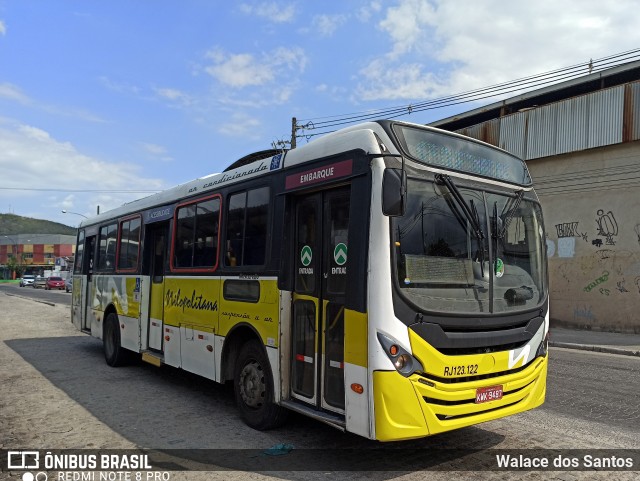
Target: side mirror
x=394 y=192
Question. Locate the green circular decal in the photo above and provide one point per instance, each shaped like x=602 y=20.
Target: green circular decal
x=499 y=267
x=340 y=254
x=306 y=254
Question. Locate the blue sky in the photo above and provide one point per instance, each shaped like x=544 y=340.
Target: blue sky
x=130 y=96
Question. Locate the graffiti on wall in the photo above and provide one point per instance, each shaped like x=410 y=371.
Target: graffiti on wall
x=620 y=285
x=607 y=226
x=583 y=313
x=567 y=229
x=596 y=282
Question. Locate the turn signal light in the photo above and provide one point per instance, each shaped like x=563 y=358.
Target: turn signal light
x=393 y=350
x=357 y=388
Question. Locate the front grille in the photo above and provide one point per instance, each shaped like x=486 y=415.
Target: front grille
x=465 y=351
x=444 y=417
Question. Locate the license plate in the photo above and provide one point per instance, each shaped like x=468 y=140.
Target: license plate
x=486 y=394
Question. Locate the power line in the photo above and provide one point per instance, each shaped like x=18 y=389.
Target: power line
x=327 y=124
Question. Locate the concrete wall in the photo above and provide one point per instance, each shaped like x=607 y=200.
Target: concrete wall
x=591 y=204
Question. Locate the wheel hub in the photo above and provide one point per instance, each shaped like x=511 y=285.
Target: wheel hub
x=252 y=387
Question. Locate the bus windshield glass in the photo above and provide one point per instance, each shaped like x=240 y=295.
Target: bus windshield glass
x=445 y=265
x=452 y=153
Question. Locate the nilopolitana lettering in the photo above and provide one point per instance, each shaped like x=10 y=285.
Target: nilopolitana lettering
x=196 y=301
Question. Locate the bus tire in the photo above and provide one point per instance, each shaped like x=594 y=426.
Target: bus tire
x=253 y=387
x=114 y=353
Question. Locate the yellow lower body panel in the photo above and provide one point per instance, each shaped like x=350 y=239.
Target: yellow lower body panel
x=407 y=408
x=397 y=408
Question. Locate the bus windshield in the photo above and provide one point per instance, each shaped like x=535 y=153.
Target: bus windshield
x=444 y=264
x=459 y=154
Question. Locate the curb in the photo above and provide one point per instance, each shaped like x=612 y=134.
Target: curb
x=53 y=304
x=586 y=347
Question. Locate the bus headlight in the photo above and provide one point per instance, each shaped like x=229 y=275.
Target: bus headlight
x=402 y=360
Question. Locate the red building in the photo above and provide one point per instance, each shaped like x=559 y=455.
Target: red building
x=35 y=253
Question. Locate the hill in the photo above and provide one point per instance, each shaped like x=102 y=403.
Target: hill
x=16 y=224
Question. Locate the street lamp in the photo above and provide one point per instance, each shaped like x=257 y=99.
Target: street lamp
x=68 y=212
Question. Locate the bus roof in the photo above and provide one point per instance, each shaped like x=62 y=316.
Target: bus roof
x=360 y=136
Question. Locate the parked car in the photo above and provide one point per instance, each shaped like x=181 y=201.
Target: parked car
x=68 y=284
x=27 y=280
x=39 y=282
x=54 y=282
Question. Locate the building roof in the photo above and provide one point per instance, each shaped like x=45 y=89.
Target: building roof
x=589 y=83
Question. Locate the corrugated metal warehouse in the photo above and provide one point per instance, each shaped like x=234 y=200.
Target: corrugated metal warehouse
x=581 y=141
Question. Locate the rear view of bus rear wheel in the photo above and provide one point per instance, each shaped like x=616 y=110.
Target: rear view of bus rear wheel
x=253 y=387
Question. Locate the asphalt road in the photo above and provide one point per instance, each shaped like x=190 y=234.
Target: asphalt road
x=599 y=388
x=57 y=392
x=57 y=297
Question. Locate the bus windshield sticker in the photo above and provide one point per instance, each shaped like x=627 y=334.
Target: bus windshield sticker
x=275 y=162
x=499 y=267
x=306 y=254
x=340 y=254
x=321 y=174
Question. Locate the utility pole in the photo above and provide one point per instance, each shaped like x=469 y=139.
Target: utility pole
x=294 y=127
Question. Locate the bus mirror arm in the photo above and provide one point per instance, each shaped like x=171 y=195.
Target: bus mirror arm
x=394 y=192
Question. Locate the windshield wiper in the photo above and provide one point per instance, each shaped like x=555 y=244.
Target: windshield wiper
x=509 y=210
x=470 y=213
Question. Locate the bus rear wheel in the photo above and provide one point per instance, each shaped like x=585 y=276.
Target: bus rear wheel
x=114 y=353
x=253 y=387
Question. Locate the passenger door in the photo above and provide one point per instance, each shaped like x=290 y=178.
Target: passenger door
x=320 y=251
x=156 y=240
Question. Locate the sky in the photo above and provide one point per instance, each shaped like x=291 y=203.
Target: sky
x=104 y=102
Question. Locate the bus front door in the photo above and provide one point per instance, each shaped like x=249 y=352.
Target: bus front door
x=320 y=250
x=156 y=238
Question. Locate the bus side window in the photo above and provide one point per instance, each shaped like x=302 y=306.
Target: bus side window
x=196 y=241
x=129 y=245
x=78 y=264
x=107 y=248
x=247 y=217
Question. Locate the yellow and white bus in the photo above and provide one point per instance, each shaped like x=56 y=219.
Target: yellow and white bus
x=388 y=279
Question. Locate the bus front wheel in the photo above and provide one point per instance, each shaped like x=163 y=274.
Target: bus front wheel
x=114 y=353
x=253 y=386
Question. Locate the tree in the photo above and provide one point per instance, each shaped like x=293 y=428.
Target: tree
x=15 y=266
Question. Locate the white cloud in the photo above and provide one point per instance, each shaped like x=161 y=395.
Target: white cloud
x=158 y=152
x=408 y=81
x=244 y=69
x=365 y=13
x=3 y=28
x=30 y=158
x=241 y=125
x=12 y=92
x=175 y=96
x=241 y=70
x=119 y=87
x=326 y=25
x=272 y=11
x=467 y=44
